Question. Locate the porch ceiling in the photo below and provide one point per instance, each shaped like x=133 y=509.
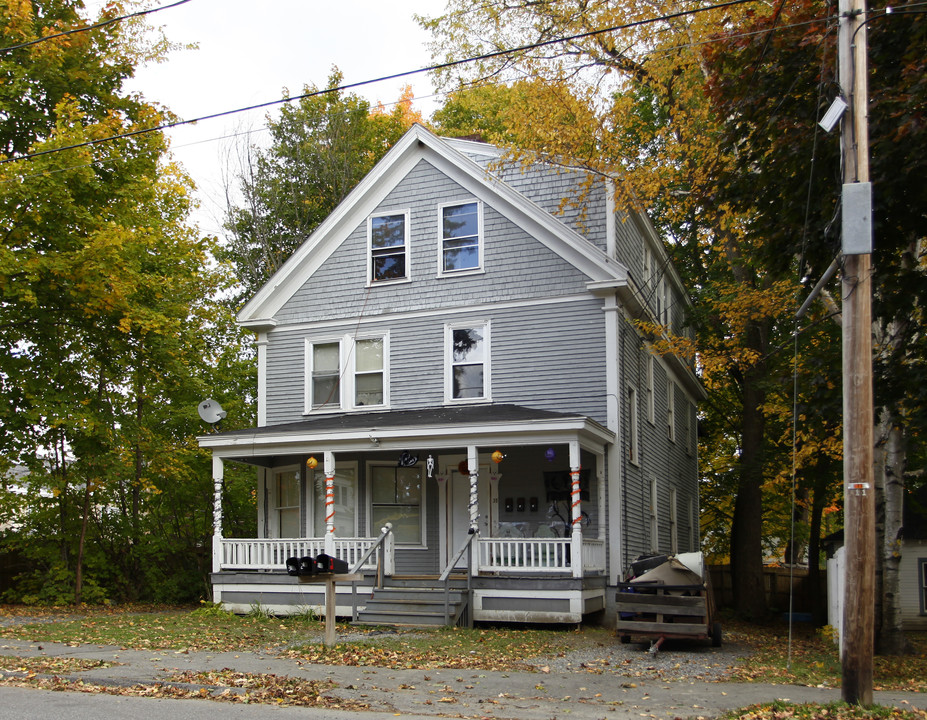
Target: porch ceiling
x=425 y=429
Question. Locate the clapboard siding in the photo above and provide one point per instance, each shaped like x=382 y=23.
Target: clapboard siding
x=550 y=356
x=912 y=554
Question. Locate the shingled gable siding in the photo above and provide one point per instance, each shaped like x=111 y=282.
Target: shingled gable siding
x=547 y=356
x=516 y=265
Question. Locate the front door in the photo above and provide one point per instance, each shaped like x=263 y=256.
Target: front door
x=455 y=520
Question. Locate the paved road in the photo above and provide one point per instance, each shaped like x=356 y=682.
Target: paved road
x=391 y=693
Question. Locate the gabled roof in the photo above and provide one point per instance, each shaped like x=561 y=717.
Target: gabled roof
x=417 y=144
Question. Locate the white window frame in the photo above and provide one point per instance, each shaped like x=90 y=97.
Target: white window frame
x=693 y=527
x=671 y=410
x=423 y=504
x=407 y=249
x=647 y=263
x=384 y=338
x=271 y=479
x=650 y=388
x=634 y=454
x=654 y=516
x=922 y=584
x=674 y=522
x=449 y=363
x=666 y=317
x=479 y=238
x=688 y=425
x=318 y=475
x=347 y=373
x=337 y=404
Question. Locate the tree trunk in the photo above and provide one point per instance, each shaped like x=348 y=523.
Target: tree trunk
x=747 y=524
x=79 y=570
x=890 y=639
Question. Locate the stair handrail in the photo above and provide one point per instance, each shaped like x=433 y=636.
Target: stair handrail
x=466 y=547
x=386 y=530
x=384 y=533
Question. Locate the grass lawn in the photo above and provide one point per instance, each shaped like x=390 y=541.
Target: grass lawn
x=812 y=659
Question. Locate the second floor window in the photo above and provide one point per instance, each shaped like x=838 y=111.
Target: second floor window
x=388 y=247
x=347 y=373
x=368 y=372
x=468 y=362
x=325 y=374
x=460 y=237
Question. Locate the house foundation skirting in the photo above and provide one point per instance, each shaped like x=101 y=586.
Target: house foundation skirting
x=495 y=599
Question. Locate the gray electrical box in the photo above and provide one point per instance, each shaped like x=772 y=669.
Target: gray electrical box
x=857 y=218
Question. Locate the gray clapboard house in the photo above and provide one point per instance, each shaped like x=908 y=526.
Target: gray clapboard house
x=451 y=376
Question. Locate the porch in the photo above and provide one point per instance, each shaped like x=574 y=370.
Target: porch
x=511 y=579
x=511 y=499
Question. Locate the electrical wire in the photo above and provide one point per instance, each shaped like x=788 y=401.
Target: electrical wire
x=384 y=78
x=87 y=28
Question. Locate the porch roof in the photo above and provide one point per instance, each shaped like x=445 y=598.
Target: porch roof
x=422 y=429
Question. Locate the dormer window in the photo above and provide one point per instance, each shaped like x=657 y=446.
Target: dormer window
x=461 y=238
x=389 y=247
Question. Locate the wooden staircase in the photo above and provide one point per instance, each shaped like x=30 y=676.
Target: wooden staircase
x=416 y=601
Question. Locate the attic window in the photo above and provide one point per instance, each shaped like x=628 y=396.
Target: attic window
x=388 y=243
x=461 y=237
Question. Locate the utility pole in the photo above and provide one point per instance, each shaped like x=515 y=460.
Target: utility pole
x=859 y=494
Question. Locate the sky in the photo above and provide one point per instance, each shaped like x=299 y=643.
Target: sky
x=250 y=50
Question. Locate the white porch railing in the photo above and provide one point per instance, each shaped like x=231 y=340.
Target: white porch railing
x=537 y=555
x=593 y=555
x=252 y=554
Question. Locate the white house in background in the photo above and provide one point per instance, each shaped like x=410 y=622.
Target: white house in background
x=453 y=356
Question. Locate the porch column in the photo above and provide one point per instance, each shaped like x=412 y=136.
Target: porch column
x=329 y=466
x=576 y=539
x=473 y=467
x=218 y=473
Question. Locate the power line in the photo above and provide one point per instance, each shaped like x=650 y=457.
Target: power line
x=87 y=28
x=395 y=76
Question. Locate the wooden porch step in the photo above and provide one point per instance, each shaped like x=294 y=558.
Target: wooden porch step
x=410 y=606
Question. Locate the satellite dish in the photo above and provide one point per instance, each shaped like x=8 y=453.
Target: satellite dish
x=211 y=411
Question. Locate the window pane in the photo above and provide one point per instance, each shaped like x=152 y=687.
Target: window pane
x=369 y=355
x=383 y=484
x=468 y=381
x=389 y=267
x=345 y=502
x=407 y=522
x=408 y=486
x=325 y=391
x=461 y=221
x=461 y=255
x=368 y=389
x=387 y=231
x=468 y=346
x=289 y=523
x=288 y=489
x=325 y=358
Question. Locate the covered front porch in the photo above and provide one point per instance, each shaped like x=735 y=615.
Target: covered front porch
x=510 y=499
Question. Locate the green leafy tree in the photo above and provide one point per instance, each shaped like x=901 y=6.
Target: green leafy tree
x=320 y=148
x=108 y=328
x=771 y=116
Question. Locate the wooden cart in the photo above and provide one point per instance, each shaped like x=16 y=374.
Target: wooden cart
x=658 y=611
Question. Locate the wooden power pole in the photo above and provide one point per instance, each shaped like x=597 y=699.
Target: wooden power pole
x=859 y=494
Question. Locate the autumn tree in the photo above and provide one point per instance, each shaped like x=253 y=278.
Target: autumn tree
x=622 y=95
x=320 y=147
x=106 y=319
x=791 y=191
